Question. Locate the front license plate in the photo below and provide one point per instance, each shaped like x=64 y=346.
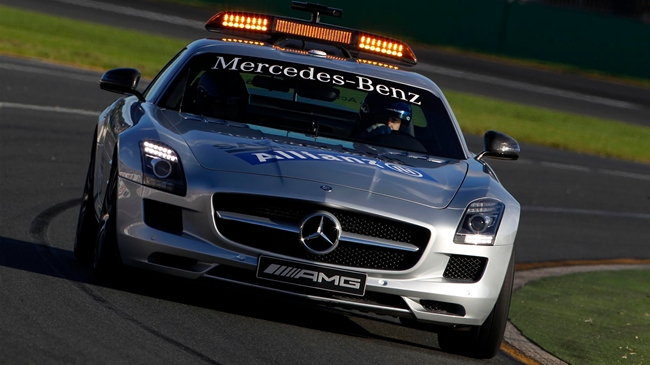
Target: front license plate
x=313 y=276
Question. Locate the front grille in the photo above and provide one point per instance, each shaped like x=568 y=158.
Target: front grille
x=442 y=307
x=288 y=243
x=465 y=268
x=379 y=228
x=362 y=256
x=291 y=210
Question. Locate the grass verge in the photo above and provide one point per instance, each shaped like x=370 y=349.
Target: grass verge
x=99 y=47
x=83 y=44
x=566 y=131
x=588 y=318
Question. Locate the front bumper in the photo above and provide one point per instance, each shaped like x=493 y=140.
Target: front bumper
x=199 y=250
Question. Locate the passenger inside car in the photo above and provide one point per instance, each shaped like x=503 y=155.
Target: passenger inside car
x=220 y=94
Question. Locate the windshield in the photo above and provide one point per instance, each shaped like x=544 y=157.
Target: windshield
x=320 y=103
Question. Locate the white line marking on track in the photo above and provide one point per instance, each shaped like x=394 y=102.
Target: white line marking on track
x=630 y=175
x=525 y=86
x=564 y=166
x=602 y=213
x=49 y=72
x=136 y=13
x=55 y=109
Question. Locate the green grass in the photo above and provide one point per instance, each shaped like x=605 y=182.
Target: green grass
x=60 y=40
x=588 y=318
x=551 y=128
x=34 y=35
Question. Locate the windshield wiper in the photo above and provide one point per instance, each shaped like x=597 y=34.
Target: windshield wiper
x=415 y=155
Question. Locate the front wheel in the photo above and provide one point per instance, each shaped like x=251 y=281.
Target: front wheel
x=106 y=258
x=86 y=222
x=483 y=341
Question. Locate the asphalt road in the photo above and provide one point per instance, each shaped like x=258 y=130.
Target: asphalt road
x=51 y=310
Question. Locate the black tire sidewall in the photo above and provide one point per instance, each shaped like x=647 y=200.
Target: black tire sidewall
x=106 y=256
x=483 y=341
x=87 y=224
x=489 y=336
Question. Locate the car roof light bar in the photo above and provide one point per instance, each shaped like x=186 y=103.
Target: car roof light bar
x=375 y=63
x=313 y=31
x=272 y=28
x=242 y=21
x=235 y=40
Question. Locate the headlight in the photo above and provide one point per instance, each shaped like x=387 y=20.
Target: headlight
x=480 y=222
x=162 y=168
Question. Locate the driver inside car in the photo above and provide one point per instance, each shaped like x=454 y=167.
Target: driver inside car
x=384 y=115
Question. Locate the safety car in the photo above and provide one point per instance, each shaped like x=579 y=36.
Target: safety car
x=306 y=159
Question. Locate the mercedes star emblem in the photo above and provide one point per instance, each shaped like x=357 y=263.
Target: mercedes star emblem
x=320 y=232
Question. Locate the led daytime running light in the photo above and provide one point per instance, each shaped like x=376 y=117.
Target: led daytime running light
x=159 y=151
x=483 y=207
x=480 y=222
x=477 y=239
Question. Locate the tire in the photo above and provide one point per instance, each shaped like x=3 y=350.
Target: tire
x=483 y=342
x=86 y=222
x=106 y=257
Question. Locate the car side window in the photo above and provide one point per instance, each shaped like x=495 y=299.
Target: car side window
x=154 y=87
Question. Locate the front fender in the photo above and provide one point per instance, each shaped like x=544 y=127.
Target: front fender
x=112 y=122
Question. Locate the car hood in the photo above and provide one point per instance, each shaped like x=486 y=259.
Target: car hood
x=265 y=151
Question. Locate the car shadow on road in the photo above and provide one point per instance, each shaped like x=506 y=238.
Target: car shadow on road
x=209 y=294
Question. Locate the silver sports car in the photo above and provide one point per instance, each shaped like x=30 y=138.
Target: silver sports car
x=299 y=157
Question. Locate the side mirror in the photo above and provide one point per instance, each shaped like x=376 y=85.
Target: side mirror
x=122 y=81
x=500 y=146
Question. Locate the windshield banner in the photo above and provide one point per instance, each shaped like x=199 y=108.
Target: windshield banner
x=310 y=73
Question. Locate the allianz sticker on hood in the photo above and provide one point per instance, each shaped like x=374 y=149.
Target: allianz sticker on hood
x=258 y=157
